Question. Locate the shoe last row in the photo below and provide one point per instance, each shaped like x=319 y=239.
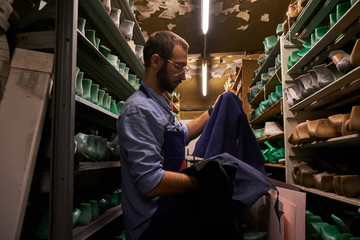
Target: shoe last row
x=91 y=148
x=310 y=82
x=310 y=174
x=342 y=61
x=325 y=128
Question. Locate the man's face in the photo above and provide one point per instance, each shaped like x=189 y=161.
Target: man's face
x=171 y=74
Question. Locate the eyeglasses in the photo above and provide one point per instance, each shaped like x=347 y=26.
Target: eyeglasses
x=185 y=68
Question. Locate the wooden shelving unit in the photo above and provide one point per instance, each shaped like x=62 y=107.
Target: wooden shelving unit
x=174 y=100
x=334 y=98
x=243 y=81
x=269 y=87
x=268 y=114
x=275 y=165
x=272 y=137
x=348 y=140
x=269 y=62
x=346 y=27
x=330 y=195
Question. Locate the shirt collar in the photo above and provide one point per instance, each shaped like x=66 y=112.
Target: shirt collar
x=162 y=100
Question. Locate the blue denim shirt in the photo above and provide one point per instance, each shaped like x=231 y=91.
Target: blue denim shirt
x=140 y=128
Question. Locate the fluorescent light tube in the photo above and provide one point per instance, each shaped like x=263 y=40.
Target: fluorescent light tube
x=204 y=79
x=205 y=7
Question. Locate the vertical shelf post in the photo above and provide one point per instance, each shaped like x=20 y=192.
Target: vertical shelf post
x=62 y=161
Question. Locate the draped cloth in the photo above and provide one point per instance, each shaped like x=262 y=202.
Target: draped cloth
x=228 y=131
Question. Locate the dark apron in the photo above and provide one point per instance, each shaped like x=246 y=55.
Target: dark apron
x=173 y=147
x=174 y=159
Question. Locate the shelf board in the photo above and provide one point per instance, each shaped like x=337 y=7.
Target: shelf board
x=320 y=15
x=269 y=62
x=239 y=90
x=175 y=98
x=127 y=13
x=348 y=140
x=106 y=27
x=174 y=108
x=96 y=66
x=85 y=166
x=83 y=232
x=269 y=87
x=271 y=111
x=330 y=92
x=275 y=165
x=237 y=80
x=92 y=112
x=352 y=201
x=339 y=42
x=167 y=95
x=349 y=20
x=302 y=18
x=272 y=137
x=258 y=97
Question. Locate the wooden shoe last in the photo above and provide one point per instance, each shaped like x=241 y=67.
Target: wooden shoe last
x=355 y=54
x=345 y=125
x=350 y=185
x=311 y=127
x=303 y=174
x=337 y=185
x=336 y=121
x=325 y=130
x=302 y=132
x=324 y=181
x=354 y=122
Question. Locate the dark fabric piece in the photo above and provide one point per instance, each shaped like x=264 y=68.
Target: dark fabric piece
x=215 y=210
x=248 y=183
x=173 y=150
x=162 y=220
x=204 y=214
x=228 y=131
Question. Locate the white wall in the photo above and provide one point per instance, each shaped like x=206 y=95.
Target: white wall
x=189 y=149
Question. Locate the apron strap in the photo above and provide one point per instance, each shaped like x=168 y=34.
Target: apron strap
x=144 y=91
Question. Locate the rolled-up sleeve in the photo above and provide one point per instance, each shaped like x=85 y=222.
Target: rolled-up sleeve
x=142 y=140
x=185 y=129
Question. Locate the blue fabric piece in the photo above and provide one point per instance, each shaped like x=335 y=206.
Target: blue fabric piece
x=140 y=128
x=228 y=131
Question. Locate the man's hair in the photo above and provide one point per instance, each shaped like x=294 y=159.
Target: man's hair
x=162 y=43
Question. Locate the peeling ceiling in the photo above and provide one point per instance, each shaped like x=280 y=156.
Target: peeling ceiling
x=235 y=25
x=237 y=29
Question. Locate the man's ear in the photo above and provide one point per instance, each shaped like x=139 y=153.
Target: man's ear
x=156 y=61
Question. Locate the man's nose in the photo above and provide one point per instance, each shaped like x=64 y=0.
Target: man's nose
x=182 y=75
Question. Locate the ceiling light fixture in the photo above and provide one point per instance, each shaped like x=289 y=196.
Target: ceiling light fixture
x=205 y=6
x=204 y=78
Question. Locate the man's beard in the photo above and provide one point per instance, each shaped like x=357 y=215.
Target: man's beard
x=164 y=79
